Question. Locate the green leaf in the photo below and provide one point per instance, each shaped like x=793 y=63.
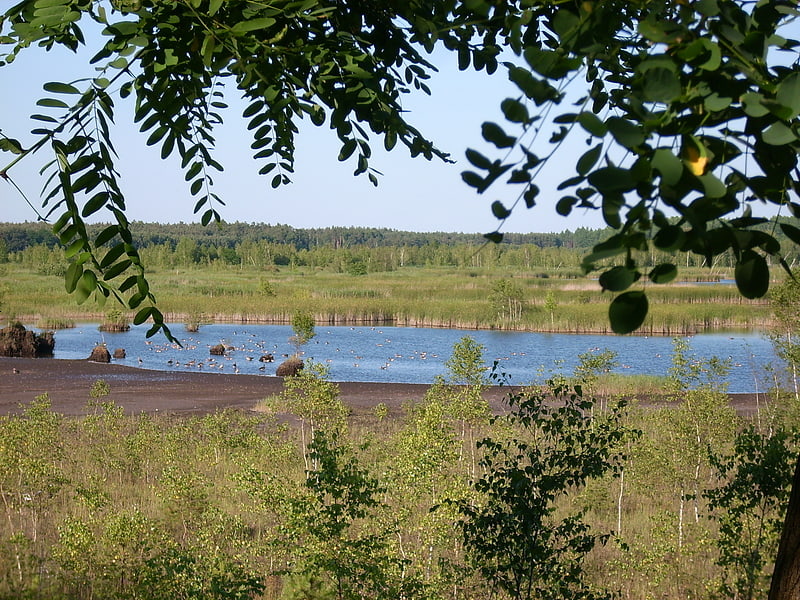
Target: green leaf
x=778 y=134
x=752 y=275
x=589 y=160
x=52 y=103
x=253 y=25
x=753 y=106
x=73 y=275
x=627 y=134
x=788 y=94
x=565 y=204
x=716 y=103
x=478 y=159
x=592 y=124
x=142 y=315
x=515 y=111
x=97 y=202
x=495 y=237
x=11 y=145
x=618 y=279
x=663 y=273
x=494 y=134
x=627 y=312
x=500 y=211
x=106 y=235
x=613 y=246
x=669 y=166
x=661 y=85
x=60 y=88
x=472 y=179
x=660 y=31
x=712 y=186
x=73 y=248
x=612 y=204
x=669 y=238
x=348 y=147
x=113 y=254
x=530 y=195
x=86 y=285
x=792 y=232
x=117 y=270
x=610 y=180
x=536 y=89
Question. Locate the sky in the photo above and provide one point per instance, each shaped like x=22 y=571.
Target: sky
x=413 y=194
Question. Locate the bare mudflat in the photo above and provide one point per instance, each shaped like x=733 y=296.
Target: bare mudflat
x=68 y=382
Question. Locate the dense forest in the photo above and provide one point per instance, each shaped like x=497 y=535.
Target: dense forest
x=18 y=236
x=345 y=249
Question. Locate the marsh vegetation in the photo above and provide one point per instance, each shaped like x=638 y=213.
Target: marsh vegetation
x=299 y=498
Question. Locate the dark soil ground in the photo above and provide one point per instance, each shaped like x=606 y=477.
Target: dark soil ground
x=68 y=382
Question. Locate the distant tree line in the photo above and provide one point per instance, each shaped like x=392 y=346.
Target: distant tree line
x=18 y=236
x=353 y=250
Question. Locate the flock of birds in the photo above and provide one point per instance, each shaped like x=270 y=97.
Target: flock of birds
x=242 y=348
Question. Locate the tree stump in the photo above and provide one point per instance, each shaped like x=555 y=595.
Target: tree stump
x=100 y=354
x=290 y=367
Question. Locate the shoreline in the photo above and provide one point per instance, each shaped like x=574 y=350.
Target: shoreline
x=68 y=382
x=173 y=319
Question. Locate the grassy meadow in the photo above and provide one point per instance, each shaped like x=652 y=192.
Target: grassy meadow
x=302 y=499
x=411 y=296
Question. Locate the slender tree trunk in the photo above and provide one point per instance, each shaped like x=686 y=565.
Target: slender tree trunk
x=786 y=575
x=619 y=501
x=680 y=521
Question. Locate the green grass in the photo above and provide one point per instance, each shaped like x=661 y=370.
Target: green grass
x=104 y=498
x=431 y=296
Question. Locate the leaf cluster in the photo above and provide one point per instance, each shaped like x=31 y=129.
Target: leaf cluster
x=692 y=110
x=514 y=534
x=343 y=63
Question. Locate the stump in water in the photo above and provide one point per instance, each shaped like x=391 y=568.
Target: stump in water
x=119 y=353
x=100 y=354
x=218 y=350
x=17 y=341
x=290 y=367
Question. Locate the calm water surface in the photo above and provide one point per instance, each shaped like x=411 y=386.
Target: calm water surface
x=410 y=355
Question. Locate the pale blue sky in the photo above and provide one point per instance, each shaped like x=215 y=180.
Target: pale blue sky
x=413 y=194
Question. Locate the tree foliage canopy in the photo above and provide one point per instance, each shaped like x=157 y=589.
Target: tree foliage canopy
x=690 y=109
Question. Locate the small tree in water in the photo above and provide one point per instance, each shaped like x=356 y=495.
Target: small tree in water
x=303 y=328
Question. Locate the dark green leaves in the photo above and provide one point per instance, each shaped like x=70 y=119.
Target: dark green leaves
x=10 y=145
x=494 y=134
x=627 y=312
x=500 y=211
x=752 y=275
x=618 y=279
x=627 y=133
x=663 y=273
x=661 y=84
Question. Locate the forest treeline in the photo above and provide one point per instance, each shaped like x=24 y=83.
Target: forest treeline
x=18 y=236
x=355 y=250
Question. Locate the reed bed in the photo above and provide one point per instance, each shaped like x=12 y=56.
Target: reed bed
x=414 y=297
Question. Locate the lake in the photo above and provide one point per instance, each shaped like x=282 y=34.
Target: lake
x=413 y=355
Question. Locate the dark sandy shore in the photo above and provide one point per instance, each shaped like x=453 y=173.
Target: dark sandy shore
x=67 y=382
